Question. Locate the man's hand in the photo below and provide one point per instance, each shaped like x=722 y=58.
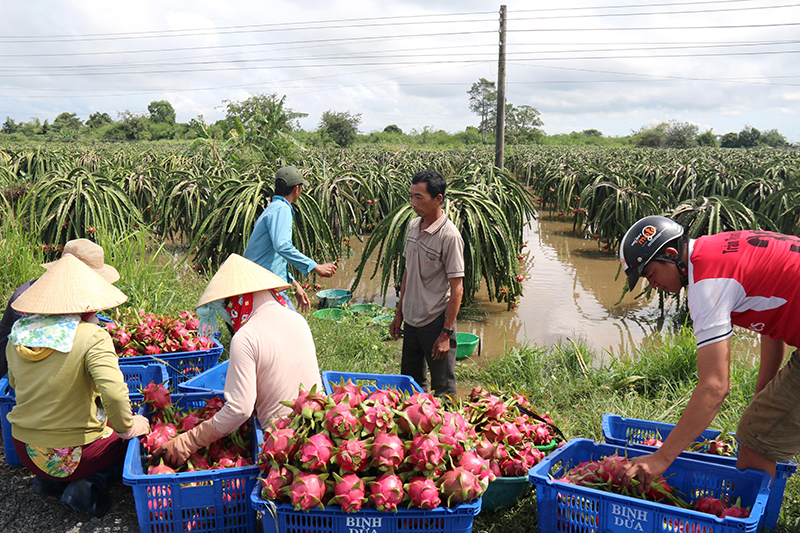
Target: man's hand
x=396 y=327
x=646 y=468
x=327 y=270
x=302 y=298
x=441 y=346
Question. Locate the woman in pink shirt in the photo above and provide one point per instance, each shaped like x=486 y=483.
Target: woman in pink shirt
x=272 y=352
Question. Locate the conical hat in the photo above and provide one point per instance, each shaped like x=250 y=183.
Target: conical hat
x=238 y=275
x=69 y=286
x=93 y=255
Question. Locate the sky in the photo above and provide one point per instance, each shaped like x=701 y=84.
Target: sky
x=611 y=65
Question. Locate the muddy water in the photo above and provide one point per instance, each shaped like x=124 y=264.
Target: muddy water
x=570 y=292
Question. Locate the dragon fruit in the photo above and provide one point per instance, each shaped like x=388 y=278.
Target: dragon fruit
x=157 y=395
x=349 y=393
x=160 y=433
x=160 y=468
x=420 y=414
x=189 y=422
x=307 y=402
x=426 y=453
x=710 y=505
x=423 y=493
x=307 y=489
x=352 y=455
x=479 y=466
x=275 y=479
x=386 y=492
x=349 y=492
x=388 y=397
x=378 y=417
x=341 y=421
x=388 y=451
x=459 y=486
x=316 y=452
x=279 y=445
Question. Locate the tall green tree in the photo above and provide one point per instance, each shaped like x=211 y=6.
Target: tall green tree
x=161 y=112
x=483 y=102
x=340 y=126
x=67 y=125
x=523 y=124
x=98 y=119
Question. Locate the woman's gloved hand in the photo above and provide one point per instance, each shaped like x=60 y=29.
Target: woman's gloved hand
x=177 y=450
x=141 y=426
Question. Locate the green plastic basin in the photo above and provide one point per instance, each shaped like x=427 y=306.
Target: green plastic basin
x=467 y=342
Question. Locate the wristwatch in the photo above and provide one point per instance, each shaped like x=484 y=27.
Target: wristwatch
x=448 y=331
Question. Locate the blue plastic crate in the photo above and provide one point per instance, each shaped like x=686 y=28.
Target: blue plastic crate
x=631 y=432
x=140 y=376
x=370 y=382
x=180 y=365
x=7 y=402
x=208 y=501
x=212 y=380
x=282 y=518
x=565 y=507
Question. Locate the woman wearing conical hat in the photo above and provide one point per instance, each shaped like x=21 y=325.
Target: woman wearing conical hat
x=272 y=352
x=60 y=366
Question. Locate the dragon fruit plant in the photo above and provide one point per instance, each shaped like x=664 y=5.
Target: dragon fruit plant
x=384 y=450
x=508 y=438
x=140 y=333
x=167 y=422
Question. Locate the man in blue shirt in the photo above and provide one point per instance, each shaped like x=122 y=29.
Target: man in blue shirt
x=271 y=245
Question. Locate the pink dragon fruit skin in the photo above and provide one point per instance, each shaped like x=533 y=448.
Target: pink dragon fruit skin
x=421 y=412
x=279 y=445
x=160 y=433
x=275 y=479
x=485 y=448
x=377 y=418
x=316 y=452
x=307 y=490
x=341 y=421
x=353 y=394
x=422 y=493
x=459 y=486
x=425 y=452
x=350 y=492
x=308 y=402
x=386 y=492
x=388 y=397
x=352 y=455
x=477 y=465
x=189 y=422
x=160 y=468
x=388 y=451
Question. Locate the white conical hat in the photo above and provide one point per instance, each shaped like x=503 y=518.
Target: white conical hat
x=238 y=275
x=93 y=255
x=69 y=286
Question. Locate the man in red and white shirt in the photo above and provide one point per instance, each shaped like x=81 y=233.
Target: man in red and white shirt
x=745 y=278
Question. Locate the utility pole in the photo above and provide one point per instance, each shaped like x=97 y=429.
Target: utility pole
x=500 y=129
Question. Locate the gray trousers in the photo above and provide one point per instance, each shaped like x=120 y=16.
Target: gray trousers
x=417 y=358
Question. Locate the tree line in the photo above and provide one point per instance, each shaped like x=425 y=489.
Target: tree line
x=264 y=119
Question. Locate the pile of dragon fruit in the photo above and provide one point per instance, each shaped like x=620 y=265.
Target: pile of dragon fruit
x=168 y=421
x=508 y=438
x=384 y=450
x=607 y=474
x=725 y=446
x=141 y=333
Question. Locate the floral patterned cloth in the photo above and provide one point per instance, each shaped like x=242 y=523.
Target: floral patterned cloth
x=45 y=331
x=59 y=462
